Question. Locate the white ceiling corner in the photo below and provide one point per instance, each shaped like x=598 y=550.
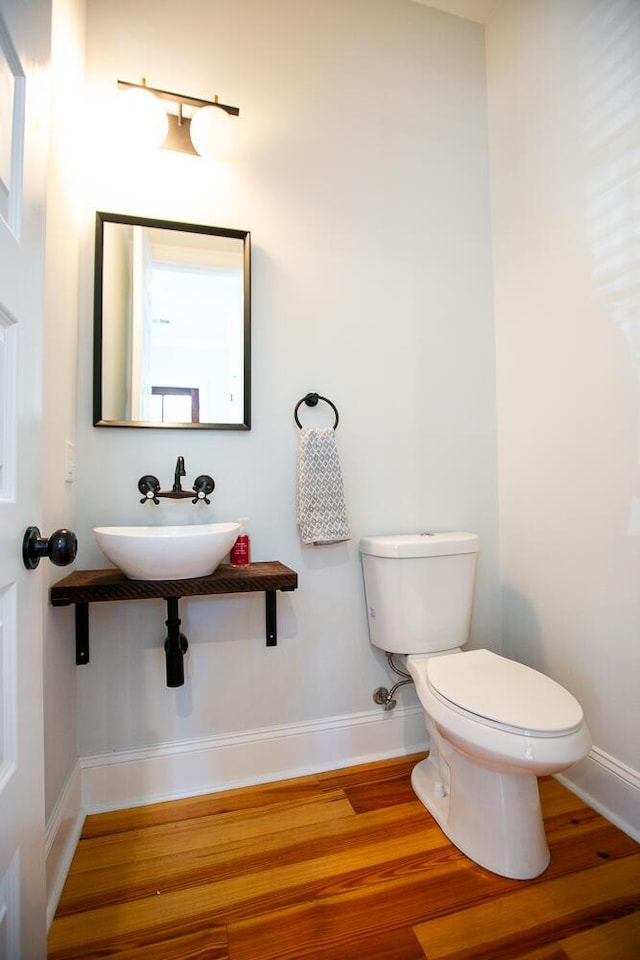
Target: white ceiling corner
x=477 y=10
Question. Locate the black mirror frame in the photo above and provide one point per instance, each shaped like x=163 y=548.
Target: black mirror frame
x=244 y=235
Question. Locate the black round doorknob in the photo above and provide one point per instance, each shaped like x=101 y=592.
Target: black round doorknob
x=61 y=547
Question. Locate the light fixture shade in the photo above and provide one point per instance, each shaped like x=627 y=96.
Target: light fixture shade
x=212 y=132
x=144 y=118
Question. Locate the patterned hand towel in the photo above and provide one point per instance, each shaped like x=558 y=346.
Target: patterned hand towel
x=322 y=515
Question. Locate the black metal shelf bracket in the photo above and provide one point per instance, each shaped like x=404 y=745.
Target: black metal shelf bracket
x=82 y=633
x=271 y=618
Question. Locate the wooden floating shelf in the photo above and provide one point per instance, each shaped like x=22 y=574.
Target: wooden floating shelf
x=103 y=586
x=92 y=586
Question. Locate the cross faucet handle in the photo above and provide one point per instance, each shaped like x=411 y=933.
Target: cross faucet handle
x=203 y=486
x=149 y=487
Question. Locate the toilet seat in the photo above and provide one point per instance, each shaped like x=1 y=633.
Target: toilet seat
x=503 y=694
x=499 y=745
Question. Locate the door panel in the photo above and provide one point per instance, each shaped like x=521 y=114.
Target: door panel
x=24 y=109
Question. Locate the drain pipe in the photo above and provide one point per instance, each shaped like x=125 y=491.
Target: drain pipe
x=385 y=697
x=175 y=646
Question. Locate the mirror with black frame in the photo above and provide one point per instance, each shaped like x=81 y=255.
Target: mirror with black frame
x=172 y=325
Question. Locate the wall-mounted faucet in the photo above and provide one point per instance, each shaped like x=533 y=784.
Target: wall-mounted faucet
x=149 y=487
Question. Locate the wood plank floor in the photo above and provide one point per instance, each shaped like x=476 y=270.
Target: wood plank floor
x=339 y=866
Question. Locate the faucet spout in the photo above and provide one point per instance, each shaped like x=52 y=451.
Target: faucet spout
x=180 y=472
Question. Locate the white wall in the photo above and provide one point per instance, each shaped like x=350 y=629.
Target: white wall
x=564 y=95
x=362 y=173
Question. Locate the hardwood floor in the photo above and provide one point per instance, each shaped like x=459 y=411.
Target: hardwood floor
x=339 y=866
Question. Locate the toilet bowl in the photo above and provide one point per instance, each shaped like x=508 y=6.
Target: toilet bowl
x=502 y=711
x=494 y=725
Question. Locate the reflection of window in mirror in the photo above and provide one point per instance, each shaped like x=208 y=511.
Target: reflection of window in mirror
x=187 y=307
x=175 y=404
x=192 y=335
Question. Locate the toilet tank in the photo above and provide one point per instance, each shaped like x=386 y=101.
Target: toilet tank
x=419 y=590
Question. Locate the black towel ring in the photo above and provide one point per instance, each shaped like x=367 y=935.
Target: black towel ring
x=311 y=400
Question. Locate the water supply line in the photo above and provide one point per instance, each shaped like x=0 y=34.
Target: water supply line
x=386 y=697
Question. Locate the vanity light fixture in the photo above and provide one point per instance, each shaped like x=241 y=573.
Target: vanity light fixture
x=176 y=122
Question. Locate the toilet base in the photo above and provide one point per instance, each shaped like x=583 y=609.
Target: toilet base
x=494 y=818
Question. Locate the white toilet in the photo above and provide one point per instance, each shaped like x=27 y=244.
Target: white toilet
x=494 y=725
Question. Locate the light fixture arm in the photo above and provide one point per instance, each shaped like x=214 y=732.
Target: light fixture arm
x=179 y=98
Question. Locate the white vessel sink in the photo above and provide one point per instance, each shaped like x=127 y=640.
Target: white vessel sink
x=167 y=553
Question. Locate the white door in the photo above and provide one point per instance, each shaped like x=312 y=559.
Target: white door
x=24 y=110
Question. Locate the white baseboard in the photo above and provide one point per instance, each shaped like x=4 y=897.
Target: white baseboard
x=170 y=771
x=62 y=835
x=610 y=787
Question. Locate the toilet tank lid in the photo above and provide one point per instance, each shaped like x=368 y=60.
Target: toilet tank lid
x=407 y=545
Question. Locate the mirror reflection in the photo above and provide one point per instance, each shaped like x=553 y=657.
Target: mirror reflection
x=172 y=324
